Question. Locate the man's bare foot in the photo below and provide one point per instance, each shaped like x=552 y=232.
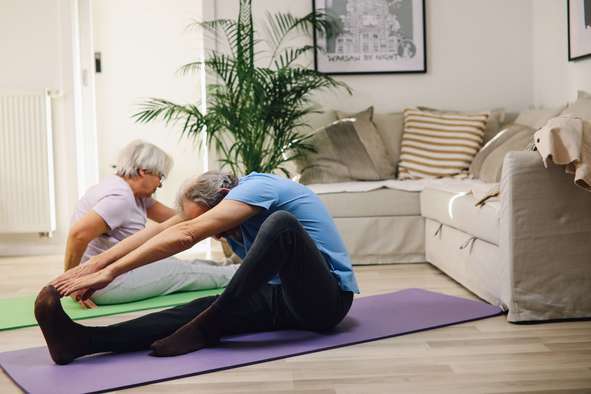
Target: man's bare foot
x=65 y=339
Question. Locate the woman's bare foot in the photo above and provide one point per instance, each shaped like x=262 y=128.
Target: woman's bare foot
x=65 y=339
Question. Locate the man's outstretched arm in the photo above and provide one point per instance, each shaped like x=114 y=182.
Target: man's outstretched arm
x=225 y=216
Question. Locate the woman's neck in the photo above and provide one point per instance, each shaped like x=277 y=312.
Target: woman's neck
x=133 y=183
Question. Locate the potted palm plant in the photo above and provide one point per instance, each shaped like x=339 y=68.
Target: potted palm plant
x=255 y=113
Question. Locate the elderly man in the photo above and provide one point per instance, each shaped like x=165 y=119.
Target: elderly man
x=118 y=207
x=295 y=274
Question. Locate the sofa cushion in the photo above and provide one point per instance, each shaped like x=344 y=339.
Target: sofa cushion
x=458 y=210
x=348 y=149
x=360 y=127
x=324 y=165
x=493 y=125
x=316 y=120
x=492 y=166
x=488 y=163
x=381 y=202
x=536 y=118
x=581 y=107
x=439 y=144
x=390 y=126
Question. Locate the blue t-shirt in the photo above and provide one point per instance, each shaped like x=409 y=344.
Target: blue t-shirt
x=274 y=193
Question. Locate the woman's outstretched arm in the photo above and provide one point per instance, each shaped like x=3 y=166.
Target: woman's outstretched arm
x=223 y=217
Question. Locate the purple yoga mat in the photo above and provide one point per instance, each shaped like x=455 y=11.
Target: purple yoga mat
x=370 y=318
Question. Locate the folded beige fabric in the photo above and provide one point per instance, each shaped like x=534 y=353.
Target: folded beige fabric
x=485 y=192
x=566 y=140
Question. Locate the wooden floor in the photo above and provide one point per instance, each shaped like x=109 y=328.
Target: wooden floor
x=487 y=356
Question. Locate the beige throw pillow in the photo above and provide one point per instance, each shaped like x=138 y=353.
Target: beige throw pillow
x=492 y=165
x=389 y=126
x=317 y=120
x=348 y=149
x=581 y=108
x=536 y=118
x=501 y=138
x=436 y=144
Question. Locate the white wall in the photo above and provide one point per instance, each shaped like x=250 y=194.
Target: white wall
x=478 y=52
x=556 y=80
x=37 y=43
x=143 y=43
x=481 y=54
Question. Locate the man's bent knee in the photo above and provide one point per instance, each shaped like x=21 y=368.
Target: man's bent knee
x=281 y=220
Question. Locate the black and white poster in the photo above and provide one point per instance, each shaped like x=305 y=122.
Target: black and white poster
x=374 y=36
x=579 y=29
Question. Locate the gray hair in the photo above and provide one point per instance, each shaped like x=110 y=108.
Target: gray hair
x=140 y=155
x=206 y=188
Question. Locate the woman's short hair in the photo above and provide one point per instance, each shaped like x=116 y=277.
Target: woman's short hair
x=140 y=155
x=206 y=188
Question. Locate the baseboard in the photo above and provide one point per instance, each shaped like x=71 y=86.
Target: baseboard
x=31 y=250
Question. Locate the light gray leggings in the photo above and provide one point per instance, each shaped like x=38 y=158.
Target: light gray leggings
x=162 y=277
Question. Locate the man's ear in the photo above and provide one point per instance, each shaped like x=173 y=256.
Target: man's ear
x=141 y=172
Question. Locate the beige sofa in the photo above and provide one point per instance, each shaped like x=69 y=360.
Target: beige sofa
x=528 y=251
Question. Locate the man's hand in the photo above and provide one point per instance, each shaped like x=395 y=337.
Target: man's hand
x=86 y=285
x=233 y=233
x=85 y=304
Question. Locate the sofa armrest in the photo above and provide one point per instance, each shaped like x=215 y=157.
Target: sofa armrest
x=545 y=239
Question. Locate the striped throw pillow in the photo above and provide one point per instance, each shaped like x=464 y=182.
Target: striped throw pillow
x=436 y=144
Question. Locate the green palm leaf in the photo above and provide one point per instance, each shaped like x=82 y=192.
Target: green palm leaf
x=255 y=113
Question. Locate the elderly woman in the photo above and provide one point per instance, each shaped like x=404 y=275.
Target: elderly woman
x=117 y=208
x=295 y=274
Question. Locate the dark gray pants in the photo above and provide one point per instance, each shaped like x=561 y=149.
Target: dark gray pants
x=308 y=298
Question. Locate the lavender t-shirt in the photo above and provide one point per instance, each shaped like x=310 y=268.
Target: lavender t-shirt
x=113 y=200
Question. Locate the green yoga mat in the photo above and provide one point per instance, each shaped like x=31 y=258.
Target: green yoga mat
x=18 y=312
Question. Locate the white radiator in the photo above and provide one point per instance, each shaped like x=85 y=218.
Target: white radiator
x=27 y=196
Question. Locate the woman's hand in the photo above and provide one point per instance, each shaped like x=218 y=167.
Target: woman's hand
x=89 y=267
x=85 y=304
x=86 y=285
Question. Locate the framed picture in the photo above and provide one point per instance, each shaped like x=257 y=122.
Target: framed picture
x=375 y=36
x=579 y=29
